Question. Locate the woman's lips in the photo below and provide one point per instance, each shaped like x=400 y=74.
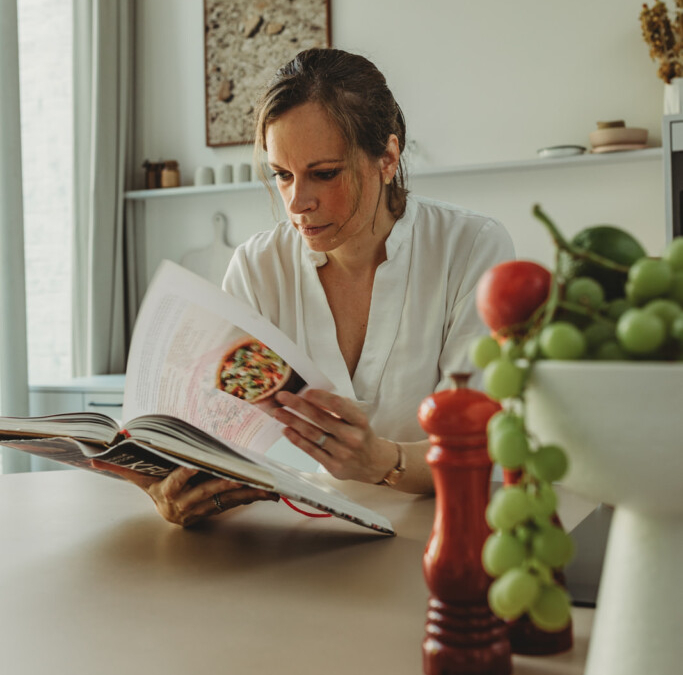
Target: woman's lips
x=312 y=230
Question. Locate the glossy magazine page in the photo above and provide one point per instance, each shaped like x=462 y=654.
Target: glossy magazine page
x=205 y=357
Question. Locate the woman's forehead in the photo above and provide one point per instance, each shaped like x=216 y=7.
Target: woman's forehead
x=306 y=132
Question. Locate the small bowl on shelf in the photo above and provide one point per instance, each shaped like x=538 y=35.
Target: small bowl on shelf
x=618 y=136
x=561 y=151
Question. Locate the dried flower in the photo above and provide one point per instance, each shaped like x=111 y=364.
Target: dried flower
x=664 y=37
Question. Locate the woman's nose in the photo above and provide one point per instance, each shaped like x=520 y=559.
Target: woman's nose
x=301 y=198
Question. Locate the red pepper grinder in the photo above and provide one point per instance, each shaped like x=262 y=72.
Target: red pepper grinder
x=462 y=634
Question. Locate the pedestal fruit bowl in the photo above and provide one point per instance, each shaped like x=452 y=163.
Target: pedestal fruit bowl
x=621 y=424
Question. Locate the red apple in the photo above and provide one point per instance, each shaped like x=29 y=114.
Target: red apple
x=509 y=293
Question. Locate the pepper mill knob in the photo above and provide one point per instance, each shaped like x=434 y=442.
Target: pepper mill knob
x=462 y=634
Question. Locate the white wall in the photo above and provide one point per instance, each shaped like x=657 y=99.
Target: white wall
x=478 y=82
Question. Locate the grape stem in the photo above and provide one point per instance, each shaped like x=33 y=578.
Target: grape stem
x=585 y=311
x=573 y=250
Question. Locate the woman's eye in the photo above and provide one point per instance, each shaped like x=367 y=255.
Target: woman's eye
x=281 y=175
x=327 y=175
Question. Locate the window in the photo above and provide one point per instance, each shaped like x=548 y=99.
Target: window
x=45 y=73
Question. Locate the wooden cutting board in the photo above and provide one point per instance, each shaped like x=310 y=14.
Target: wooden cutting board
x=211 y=261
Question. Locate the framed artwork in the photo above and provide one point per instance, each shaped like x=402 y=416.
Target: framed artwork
x=245 y=41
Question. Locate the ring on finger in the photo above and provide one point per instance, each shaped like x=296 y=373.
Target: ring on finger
x=219 y=504
x=321 y=441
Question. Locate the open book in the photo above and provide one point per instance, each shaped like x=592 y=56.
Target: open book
x=201 y=376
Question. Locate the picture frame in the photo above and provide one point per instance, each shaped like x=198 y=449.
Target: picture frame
x=245 y=41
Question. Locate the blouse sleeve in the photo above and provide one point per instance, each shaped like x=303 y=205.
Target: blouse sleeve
x=491 y=246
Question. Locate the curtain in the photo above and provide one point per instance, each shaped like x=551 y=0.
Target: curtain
x=103 y=77
x=13 y=349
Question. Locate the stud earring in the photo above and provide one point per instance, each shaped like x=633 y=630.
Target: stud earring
x=388 y=180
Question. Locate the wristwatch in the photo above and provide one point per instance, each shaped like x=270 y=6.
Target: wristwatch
x=395 y=474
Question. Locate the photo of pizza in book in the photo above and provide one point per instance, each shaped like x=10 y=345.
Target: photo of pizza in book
x=253 y=372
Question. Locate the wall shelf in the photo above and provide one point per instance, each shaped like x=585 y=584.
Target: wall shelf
x=587 y=159
x=465 y=169
x=192 y=190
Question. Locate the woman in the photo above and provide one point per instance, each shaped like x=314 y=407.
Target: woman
x=378 y=286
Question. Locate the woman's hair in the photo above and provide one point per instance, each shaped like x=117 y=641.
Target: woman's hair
x=354 y=94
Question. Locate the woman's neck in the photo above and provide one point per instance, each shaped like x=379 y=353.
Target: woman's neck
x=366 y=251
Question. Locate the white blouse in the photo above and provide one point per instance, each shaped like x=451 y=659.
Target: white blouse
x=422 y=312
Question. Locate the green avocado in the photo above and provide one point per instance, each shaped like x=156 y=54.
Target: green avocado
x=609 y=242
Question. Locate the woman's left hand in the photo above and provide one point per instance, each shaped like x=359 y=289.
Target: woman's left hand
x=337 y=434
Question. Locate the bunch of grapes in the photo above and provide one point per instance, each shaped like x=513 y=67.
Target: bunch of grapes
x=606 y=300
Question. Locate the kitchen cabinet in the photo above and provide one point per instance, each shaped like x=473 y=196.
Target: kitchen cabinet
x=100 y=393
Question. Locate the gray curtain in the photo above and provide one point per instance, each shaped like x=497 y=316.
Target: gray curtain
x=13 y=349
x=103 y=78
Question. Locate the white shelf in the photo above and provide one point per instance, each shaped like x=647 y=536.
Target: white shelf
x=192 y=190
x=587 y=159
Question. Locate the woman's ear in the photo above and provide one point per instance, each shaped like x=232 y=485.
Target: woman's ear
x=390 y=159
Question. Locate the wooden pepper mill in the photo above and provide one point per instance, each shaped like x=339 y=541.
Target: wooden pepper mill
x=463 y=637
x=525 y=637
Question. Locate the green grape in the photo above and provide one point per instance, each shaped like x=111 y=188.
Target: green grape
x=502 y=551
x=598 y=333
x=640 y=332
x=541 y=521
x=548 y=463
x=562 y=340
x=499 y=602
x=632 y=296
x=552 y=610
x=510 y=448
x=677 y=329
x=610 y=351
x=675 y=291
x=483 y=350
x=666 y=310
x=616 y=307
x=544 y=502
x=552 y=546
x=649 y=277
x=503 y=379
x=530 y=348
x=585 y=291
x=503 y=420
x=541 y=570
x=512 y=350
x=524 y=533
x=508 y=507
x=673 y=254
x=513 y=593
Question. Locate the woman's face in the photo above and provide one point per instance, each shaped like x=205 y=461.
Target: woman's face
x=307 y=153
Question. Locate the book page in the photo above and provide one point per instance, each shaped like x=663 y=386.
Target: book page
x=203 y=356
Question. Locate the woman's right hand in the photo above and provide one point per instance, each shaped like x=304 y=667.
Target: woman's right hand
x=184 y=503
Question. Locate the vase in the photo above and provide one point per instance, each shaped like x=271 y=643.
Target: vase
x=673 y=97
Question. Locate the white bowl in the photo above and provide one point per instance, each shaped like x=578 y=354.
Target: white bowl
x=561 y=151
x=621 y=424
